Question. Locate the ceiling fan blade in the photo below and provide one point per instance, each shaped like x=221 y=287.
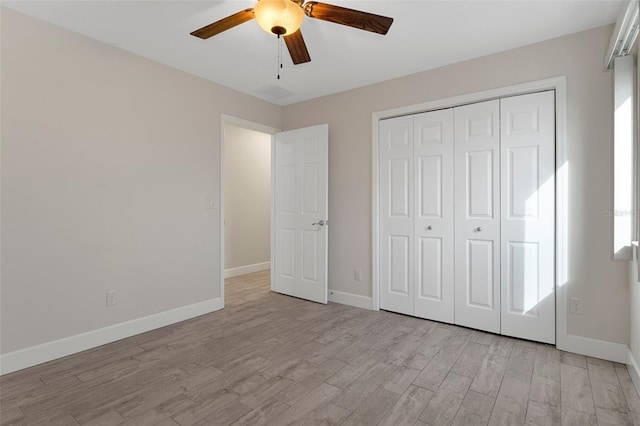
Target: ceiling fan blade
x=224 y=24
x=297 y=48
x=349 y=17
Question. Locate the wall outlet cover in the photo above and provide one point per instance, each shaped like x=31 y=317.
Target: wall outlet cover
x=357 y=274
x=111 y=297
x=575 y=305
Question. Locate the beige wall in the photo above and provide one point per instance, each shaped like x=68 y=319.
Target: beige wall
x=602 y=283
x=247 y=197
x=108 y=163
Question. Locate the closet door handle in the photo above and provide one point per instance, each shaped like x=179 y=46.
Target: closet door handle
x=428 y=228
x=478 y=229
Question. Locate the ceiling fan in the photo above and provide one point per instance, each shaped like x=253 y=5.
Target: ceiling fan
x=284 y=17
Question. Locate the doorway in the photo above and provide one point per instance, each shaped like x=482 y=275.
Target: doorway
x=245 y=194
x=247 y=203
x=298 y=194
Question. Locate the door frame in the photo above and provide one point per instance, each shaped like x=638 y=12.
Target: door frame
x=559 y=84
x=248 y=125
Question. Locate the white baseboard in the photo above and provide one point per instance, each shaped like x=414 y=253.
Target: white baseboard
x=602 y=349
x=634 y=370
x=49 y=351
x=350 y=299
x=241 y=270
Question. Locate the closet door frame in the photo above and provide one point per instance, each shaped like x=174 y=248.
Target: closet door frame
x=564 y=341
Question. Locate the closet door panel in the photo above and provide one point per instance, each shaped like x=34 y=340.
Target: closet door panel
x=396 y=217
x=430 y=186
x=430 y=271
x=434 y=217
x=480 y=184
x=528 y=216
x=477 y=215
x=479 y=285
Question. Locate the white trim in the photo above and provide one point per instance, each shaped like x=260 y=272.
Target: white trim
x=350 y=299
x=272 y=279
x=559 y=84
x=611 y=351
x=249 y=125
x=38 y=354
x=634 y=370
x=247 y=269
x=562 y=212
x=375 y=220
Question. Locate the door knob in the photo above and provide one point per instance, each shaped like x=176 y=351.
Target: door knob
x=478 y=229
x=320 y=222
x=428 y=228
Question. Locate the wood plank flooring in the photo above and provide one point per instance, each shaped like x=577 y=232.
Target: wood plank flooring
x=269 y=359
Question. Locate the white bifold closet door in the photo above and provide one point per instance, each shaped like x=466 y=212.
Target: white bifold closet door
x=416 y=215
x=433 y=165
x=528 y=212
x=396 y=215
x=467 y=215
x=477 y=222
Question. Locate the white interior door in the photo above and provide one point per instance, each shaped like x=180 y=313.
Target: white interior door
x=300 y=185
x=477 y=216
x=434 y=217
x=396 y=215
x=528 y=211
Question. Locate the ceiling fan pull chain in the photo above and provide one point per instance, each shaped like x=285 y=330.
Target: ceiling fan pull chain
x=279 y=55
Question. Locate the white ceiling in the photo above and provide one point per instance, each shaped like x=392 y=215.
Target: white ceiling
x=424 y=35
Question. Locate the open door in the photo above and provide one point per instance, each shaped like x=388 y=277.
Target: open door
x=300 y=213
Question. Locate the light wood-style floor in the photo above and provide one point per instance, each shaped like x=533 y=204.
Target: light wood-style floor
x=272 y=359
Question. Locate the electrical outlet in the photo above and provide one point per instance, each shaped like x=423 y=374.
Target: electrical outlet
x=111 y=298
x=575 y=305
x=357 y=274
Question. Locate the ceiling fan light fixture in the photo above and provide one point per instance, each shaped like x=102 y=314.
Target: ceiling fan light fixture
x=280 y=17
